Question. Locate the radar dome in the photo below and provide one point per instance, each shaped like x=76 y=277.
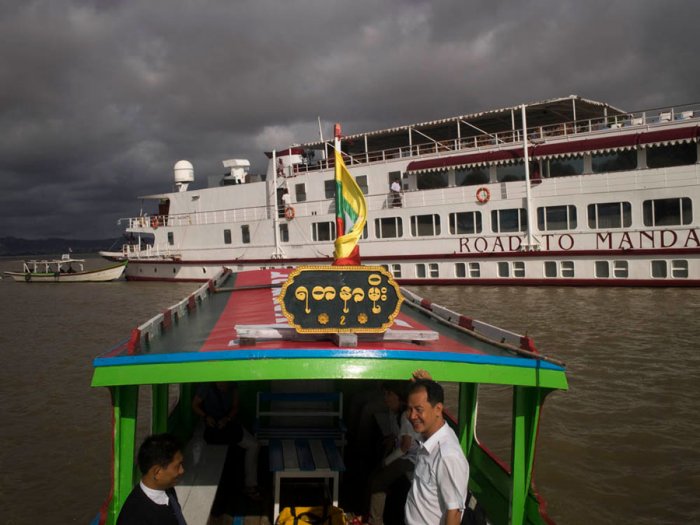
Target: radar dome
x=183 y=174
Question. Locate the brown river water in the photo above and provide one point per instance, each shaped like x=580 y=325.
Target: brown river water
x=621 y=446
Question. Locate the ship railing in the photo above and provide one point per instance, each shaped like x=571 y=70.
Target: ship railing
x=148 y=251
x=149 y=223
x=504 y=139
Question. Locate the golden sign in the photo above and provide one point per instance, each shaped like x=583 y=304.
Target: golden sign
x=340 y=299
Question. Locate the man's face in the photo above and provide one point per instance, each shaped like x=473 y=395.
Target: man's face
x=425 y=418
x=170 y=476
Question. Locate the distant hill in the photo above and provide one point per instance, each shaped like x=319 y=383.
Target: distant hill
x=15 y=246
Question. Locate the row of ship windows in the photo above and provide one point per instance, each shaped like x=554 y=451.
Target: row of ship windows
x=617 y=269
x=655 y=213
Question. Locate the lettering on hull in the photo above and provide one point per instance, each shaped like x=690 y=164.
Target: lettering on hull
x=608 y=240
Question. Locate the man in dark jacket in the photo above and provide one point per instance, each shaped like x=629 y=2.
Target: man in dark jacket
x=153 y=501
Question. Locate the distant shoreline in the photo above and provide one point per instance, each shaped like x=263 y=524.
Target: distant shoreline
x=16 y=247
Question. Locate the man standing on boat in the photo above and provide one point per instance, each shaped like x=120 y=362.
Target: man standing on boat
x=439 y=488
x=153 y=501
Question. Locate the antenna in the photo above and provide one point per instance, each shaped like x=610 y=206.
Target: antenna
x=320 y=130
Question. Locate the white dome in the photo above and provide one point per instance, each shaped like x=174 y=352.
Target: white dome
x=183 y=171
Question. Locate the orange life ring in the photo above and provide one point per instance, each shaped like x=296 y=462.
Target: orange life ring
x=483 y=195
x=289 y=213
x=154 y=222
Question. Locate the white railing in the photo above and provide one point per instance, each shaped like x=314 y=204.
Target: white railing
x=648 y=118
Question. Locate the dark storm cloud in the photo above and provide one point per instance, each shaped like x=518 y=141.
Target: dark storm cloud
x=98 y=99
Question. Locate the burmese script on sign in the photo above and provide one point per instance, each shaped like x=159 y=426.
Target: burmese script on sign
x=335 y=299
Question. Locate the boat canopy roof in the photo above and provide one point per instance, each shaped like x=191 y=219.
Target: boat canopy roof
x=542 y=113
x=197 y=340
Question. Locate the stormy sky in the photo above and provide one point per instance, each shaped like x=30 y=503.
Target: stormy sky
x=98 y=99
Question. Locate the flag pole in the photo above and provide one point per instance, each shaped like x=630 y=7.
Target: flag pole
x=339 y=223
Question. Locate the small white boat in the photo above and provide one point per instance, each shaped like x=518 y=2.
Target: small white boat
x=65 y=269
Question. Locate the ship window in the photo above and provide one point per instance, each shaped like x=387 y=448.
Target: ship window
x=465 y=222
x=679 y=269
x=284 y=232
x=614 y=161
x=300 y=192
x=365 y=232
x=171 y=238
x=460 y=270
x=245 y=234
x=434 y=270
x=388 y=227
x=420 y=270
x=362 y=183
x=567 y=268
x=602 y=269
x=396 y=270
x=432 y=180
x=471 y=176
x=425 y=225
x=474 y=269
x=667 y=212
x=659 y=270
x=609 y=215
x=550 y=268
x=503 y=269
x=323 y=231
x=673 y=155
x=620 y=269
x=512 y=220
x=510 y=172
x=563 y=167
x=519 y=269
x=329 y=187
x=551 y=218
x=227 y=236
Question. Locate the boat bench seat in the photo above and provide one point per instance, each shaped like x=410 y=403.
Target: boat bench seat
x=303 y=431
x=299 y=415
x=304 y=459
x=196 y=490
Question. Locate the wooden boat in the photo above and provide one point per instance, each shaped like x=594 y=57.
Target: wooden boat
x=65 y=270
x=234 y=328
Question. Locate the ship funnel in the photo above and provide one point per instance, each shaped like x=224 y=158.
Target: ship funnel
x=183 y=173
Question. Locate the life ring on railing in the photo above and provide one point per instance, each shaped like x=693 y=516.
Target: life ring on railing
x=483 y=195
x=289 y=213
x=154 y=222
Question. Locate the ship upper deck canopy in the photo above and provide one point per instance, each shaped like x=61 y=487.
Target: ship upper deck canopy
x=197 y=341
x=542 y=113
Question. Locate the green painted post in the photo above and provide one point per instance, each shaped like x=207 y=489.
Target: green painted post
x=159 y=409
x=468 y=395
x=124 y=407
x=526 y=411
x=184 y=408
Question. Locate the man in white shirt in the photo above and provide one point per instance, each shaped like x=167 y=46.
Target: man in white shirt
x=439 y=489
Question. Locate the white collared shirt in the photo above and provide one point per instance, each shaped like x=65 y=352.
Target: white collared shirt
x=156 y=496
x=439 y=479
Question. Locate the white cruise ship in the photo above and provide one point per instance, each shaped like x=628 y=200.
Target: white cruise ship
x=565 y=191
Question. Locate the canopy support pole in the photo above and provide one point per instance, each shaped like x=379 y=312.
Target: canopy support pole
x=526 y=412
x=159 y=409
x=468 y=395
x=124 y=409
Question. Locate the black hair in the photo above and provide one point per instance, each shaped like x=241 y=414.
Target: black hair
x=158 y=449
x=434 y=390
x=400 y=388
